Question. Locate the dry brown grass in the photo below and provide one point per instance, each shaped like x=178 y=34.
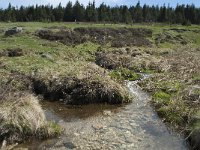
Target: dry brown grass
x=80 y=84
x=21 y=116
x=132 y=58
x=117 y=37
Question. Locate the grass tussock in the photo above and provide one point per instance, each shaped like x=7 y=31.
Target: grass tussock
x=22 y=117
x=86 y=83
x=132 y=58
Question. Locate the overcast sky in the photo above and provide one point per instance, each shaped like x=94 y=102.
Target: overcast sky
x=4 y=3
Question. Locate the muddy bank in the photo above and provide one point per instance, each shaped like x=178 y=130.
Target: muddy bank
x=117 y=37
x=93 y=86
x=109 y=127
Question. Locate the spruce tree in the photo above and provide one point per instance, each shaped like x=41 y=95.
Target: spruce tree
x=68 y=13
x=78 y=12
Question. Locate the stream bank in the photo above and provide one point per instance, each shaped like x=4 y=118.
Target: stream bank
x=133 y=126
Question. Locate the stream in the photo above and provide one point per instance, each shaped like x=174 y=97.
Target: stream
x=135 y=126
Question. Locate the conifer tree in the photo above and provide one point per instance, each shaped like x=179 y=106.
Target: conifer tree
x=68 y=13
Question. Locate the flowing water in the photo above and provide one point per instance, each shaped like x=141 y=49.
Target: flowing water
x=135 y=126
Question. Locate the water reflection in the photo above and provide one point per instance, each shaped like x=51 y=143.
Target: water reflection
x=57 y=111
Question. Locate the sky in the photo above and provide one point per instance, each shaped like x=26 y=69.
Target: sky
x=4 y=3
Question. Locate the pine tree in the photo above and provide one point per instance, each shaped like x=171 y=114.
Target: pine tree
x=102 y=11
x=59 y=13
x=1 y=15
x=181 y=14
x=126 y=16
x=78 y=12
x=94 y=12
x=68 y=13
x=163 y=14
x=91 y=13
x=8 y=13
x=116 y=15
x=147 y=13
x=137 y=13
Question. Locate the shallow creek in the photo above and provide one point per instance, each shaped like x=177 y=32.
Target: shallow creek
x=135 y=126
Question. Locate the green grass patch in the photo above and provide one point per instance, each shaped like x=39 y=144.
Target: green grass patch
x=161 y=98
x=124 y=74
x=148 y=71
x=173 y=110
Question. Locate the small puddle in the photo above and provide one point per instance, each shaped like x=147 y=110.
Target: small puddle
x=58 y=112
x=100 y=126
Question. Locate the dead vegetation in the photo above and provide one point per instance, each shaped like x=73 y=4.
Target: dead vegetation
x=132 y=58
x=90 y=85
x=167 y=37
x=117 y=37
x=176 y=92
x=13 y=31
x=15 y=52
x=22 y=117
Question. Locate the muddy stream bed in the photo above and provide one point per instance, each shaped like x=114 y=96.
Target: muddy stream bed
x=135 y=126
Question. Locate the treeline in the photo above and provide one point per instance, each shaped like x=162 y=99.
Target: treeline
x=184 y=14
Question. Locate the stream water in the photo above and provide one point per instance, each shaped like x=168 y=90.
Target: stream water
x=135 y=126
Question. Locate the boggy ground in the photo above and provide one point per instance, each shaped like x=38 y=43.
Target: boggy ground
x=81 y=64
x=176 y=91
x=174 y=84
x=119 y=37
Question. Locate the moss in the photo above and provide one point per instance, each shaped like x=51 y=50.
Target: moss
x=124 y=74
x=148 y=71
x=56 y=128
x=49 y=130
x=161 y=98
x=116 y=75
x=175 y=112
x=196 y=125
